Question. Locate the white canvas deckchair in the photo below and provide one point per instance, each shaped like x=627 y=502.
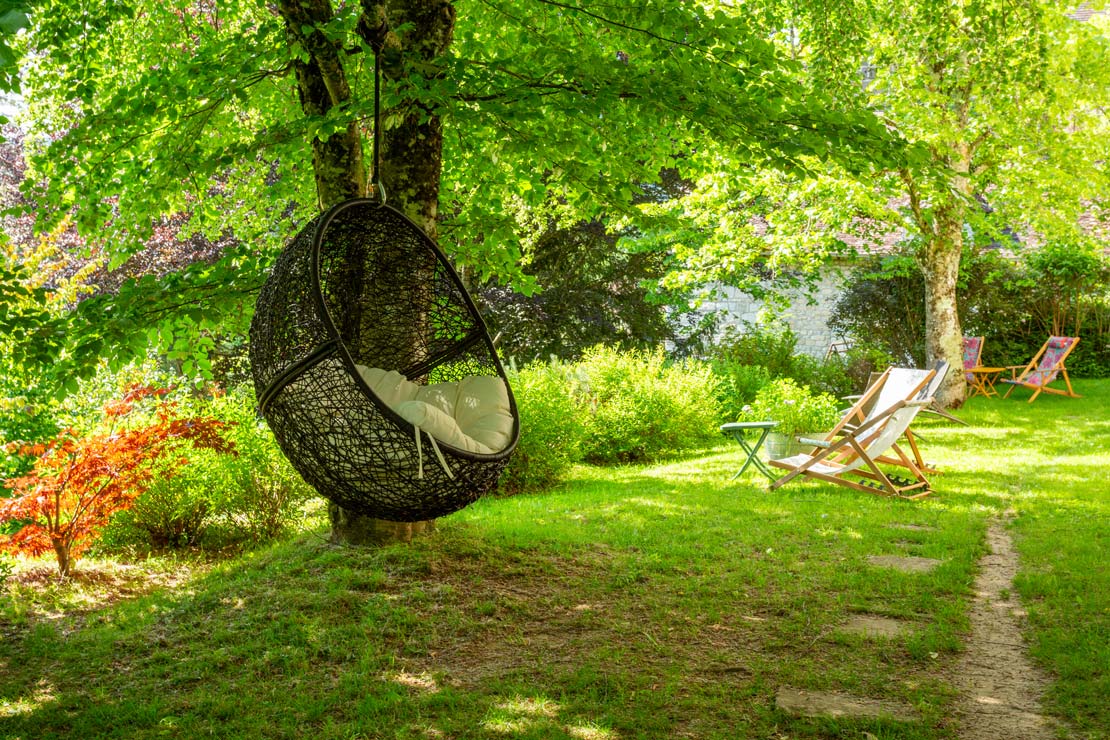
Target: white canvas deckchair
x=896 y=384
x=854 y=452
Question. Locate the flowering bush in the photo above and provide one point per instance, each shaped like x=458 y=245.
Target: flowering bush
x=793 y=406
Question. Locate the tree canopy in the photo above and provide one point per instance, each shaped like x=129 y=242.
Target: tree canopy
x=140 y=112
x=1007 y=97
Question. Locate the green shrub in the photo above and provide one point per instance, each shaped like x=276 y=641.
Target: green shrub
x=737 y=385
x=772 y=349
x=252 y=497
x=551 y=428
x=769 y=346
x=260 y=495
x=174 y=512
x=643 y=408
x=795 y=407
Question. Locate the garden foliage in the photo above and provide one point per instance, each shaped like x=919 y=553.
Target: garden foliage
x=1015 y=305
x=79 y=481
x=641 y=407
x=746 y=358
x=612 y=406
x=552 y=428
x=796 y=409
x=252 y=496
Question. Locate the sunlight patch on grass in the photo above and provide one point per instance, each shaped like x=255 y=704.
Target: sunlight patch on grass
x=520 y=714
x=848 y=532
x=42 y=695
x=591 y=732
x=423 y=683
x=539 y=716
x=529 y=706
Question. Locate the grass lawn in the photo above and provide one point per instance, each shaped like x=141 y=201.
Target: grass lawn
x=637 y=602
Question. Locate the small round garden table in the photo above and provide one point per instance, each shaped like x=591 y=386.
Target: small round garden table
x=743 y=432
x=983 y=380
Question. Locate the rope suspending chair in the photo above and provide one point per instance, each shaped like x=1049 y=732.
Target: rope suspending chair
x=375 y=370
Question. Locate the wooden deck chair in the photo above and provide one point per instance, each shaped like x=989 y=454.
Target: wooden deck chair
x=852 y=459
x=896 y=384
x=1045 y=366
x=973 y=351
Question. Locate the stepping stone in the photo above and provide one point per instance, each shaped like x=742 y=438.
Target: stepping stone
x=872 y=625
x=914 y=527
x=828 y=704
x=905 y=563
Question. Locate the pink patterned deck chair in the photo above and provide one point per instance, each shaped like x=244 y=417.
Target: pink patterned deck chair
x=1045 y=366
x=973 y=350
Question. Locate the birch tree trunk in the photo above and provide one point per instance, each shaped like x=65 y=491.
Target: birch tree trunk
x=940 y=267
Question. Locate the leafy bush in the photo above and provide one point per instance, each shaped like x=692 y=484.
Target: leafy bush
x=264 y=496
x=552 y=428
x=252 y=497
x=770 y=346
x=79 y=481
x=170 y=513
x=643 y=408
x=773 y=348
x=794 y=407
x=737 y=385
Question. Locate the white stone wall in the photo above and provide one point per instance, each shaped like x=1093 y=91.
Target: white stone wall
x=808 y=321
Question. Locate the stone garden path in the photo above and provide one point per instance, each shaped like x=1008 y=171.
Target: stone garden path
x=999 y=688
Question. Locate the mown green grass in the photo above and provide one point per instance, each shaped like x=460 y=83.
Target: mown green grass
x=1051 y=464
x=638 y=602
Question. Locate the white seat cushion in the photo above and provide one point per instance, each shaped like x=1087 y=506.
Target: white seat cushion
x=472 y=414
x=440 y=425
x=390 y=386
x=482 y=411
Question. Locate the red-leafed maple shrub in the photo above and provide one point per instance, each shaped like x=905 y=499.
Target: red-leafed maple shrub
x=79 y=482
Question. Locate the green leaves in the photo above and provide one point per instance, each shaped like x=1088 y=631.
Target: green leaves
x=13 y=19
x=163 y=108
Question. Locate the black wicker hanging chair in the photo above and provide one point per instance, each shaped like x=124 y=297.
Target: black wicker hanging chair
x=359 y=291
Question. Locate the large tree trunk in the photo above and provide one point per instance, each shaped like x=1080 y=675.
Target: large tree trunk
x=939 y=260
x=322 y=83
x=411 y=152
x=940 y=265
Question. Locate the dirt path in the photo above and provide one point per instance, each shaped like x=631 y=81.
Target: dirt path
x=1001 y=689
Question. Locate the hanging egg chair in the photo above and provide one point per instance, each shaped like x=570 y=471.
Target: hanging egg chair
x=375 y=371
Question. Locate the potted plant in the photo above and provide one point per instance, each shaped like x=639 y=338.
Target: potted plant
x=796 y=410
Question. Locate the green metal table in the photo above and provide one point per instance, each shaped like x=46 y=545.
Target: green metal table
x=740 y=431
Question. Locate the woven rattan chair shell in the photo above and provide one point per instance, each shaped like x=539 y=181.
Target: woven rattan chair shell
x=362 y=284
